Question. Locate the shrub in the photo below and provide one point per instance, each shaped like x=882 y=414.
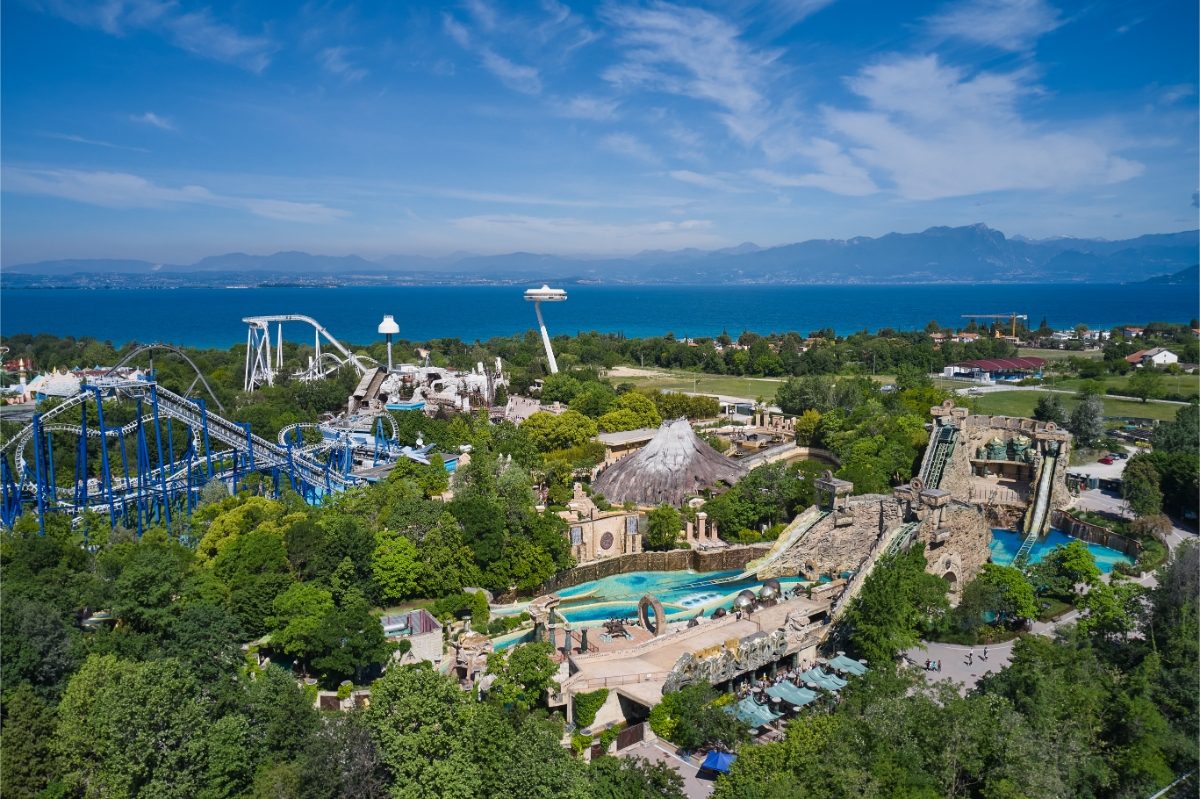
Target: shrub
x=580 y=743
x=588 y=705
x=608 y=736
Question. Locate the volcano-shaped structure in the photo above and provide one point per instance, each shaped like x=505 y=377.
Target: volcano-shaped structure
x=676 y=464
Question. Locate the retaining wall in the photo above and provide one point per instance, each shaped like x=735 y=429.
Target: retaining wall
x=734 y=557
x=1095 y=534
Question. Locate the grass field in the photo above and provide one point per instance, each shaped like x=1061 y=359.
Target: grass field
x=1184 y=385
x=1057 y=355
x=1021 y=403
x=726 y=385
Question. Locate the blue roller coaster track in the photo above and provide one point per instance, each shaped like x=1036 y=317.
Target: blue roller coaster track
x=154 y=482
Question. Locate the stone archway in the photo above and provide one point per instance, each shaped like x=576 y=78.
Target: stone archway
x=952 y=579
x=652 y=615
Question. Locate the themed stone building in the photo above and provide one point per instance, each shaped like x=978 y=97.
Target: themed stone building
x=597 y=535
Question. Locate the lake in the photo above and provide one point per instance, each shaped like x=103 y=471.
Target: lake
x=212 y=317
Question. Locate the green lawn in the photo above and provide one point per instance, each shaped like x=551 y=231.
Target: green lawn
x=1184 y=385
x=726 y=385
x=1022 y=403
x=1057 y=355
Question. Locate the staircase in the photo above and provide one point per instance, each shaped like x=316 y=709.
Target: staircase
x=943 y=448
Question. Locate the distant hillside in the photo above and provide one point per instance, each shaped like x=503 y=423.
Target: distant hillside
x=970 y=254
x=1184 y=277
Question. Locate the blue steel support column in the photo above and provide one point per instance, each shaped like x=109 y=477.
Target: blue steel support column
x=143 y=458
x=162 y=474
x=39 y=481
x=107 y=474
x=291 y=466
x=81 y=464
x=51 y=486
x=10 y=501
x=204 y=428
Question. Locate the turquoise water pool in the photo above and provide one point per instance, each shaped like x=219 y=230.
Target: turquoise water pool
x=1006 y=543
x=682 y=593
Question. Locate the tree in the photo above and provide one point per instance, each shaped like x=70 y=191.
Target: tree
x=35 y=644
x=342 y=761
x=133 y=729
x=349 y=638
x=663 y=525
x=549 y=431
x=1002 y=590
x=1050 y=409
x=897 y=600
x=689 y=719
x=1087 y=420
x=594 y=400
x=299 y=613
x=633 y=778
x=523 y=674
x=1140 y=486
x=396 y=567
x=1065 y=567
x=632 y=410
x=1146 y=384
x=27 y=761
x=1111 y=609
x=560 y=387
x=806 y=427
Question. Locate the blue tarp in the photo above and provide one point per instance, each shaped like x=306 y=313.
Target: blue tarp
x=718 y=761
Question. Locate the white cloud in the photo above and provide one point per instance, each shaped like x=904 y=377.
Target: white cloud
x=938 y=133
x=694 y=53
x=630 y=146
x=124 y=190
x=1007 y=24
x=335 y=62
x=456 y=31
x=71 y=137
x=197 y=32
x=585 y=106
x=518 y=77
x=836 y=172
x=154 y=120
x=721 y=182
x=579 y=236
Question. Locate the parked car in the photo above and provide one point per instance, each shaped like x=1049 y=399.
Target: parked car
x=1107 y=460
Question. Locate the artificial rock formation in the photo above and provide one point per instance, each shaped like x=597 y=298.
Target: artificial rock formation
x=675 y=465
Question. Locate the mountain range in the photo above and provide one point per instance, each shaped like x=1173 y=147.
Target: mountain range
x=969 y=254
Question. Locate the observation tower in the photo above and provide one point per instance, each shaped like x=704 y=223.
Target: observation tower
x=537 y=297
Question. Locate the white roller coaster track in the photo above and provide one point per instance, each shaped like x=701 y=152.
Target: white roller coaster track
x=259 y=366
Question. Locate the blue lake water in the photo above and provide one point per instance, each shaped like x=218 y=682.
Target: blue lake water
x=1006 y=543
x=212 y=317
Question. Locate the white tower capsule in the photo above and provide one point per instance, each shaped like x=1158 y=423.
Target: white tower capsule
x=537 y=297
x=388 y=328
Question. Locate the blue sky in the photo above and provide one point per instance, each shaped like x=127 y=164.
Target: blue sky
x=167 y=130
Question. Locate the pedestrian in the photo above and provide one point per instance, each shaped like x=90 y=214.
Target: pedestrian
x=985 y=653
x=970 y=657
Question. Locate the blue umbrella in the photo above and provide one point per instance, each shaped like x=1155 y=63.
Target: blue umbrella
x=718 y=761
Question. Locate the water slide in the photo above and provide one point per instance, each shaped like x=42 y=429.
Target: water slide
x=1037 y=518
x=790 y=536
x=942 y=448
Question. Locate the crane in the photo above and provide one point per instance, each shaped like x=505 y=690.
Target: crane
x=1011 y=316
